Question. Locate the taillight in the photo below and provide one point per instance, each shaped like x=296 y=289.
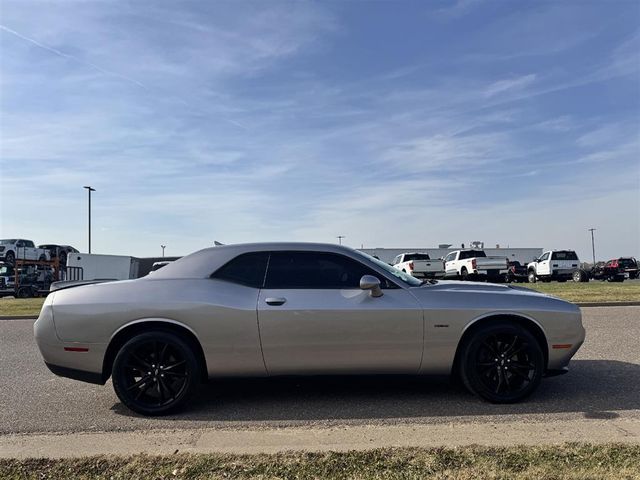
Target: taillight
x=474 y=263
x=614 y=264
x=410 y=265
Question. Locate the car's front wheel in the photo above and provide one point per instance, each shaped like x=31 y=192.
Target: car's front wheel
x=155 y=373
x=502 y=363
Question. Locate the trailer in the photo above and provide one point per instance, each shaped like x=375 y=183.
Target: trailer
x=28 y=278
x=93 y=266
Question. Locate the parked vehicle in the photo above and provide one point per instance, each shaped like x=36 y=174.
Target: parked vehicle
x=611 y=271
x=61 y=252
x=468 y=264
x=300 y=309
x=516 y=272
x=159 y=265
x=560 y=265
x=419 y=265
x=13 y=248
x=629 y=265
x=33 y=279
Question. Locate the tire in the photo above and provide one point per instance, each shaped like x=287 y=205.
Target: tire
x=10 y=258
x=531 y=277
x=507 y=278
x=167 y=385
x=501 y=363
x=464 y=274
x=24 y=292
x=577 y=276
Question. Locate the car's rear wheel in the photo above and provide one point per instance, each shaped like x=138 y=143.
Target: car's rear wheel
x=464 y=274
x=155 y=373
x=502 y=363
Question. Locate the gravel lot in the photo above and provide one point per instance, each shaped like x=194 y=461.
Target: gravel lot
x=604 y=383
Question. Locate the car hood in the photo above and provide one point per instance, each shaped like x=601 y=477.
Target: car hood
x=456 y=286
x=487 y=295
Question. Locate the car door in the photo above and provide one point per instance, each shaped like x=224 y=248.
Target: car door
x=449 y=265
x=543 y=267
x=314 y=318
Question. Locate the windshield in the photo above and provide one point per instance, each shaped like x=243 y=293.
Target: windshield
x=564 y=255
x=404 y=277
x=7 y=242
x=416 y=256
x=627 y=262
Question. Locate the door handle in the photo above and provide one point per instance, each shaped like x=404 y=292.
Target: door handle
x=275 y=301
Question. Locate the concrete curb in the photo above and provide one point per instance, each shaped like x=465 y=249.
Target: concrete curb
x=609 y=304
x=344 y=438
x=585 y=304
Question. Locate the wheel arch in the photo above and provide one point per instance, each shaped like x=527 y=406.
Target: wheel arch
x=129 y=330
x=530 y=324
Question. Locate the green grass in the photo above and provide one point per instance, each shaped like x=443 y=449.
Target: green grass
x=593 y=291
x=20 y=306
x=571 y=461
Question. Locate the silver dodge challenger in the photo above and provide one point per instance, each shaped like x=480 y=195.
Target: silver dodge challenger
x=300 y=309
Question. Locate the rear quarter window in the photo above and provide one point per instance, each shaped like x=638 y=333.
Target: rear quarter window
x=247 y=269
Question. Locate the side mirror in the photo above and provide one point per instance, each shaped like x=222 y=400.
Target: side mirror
x=371 y=283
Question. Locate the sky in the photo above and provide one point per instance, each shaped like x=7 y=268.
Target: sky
x=393 y=123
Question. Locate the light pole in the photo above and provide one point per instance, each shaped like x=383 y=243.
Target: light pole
x=593 y=246
x=340 y=237
x=89 y=189
x=163 y=247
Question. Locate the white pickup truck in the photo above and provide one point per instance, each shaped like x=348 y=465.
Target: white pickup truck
x=13 y=248
x=557 y=265
x=418 y=265
x=467 y=264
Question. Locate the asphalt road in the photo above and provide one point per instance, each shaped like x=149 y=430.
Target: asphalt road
x=604 y=383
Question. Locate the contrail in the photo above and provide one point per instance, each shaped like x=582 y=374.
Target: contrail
x=72 y=57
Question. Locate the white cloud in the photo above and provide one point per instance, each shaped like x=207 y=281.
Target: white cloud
x=509 y=84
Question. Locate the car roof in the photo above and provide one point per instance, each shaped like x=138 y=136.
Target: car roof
x=203 y=263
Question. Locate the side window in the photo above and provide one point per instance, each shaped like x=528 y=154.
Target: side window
x=450 y=257
x=247 y=269
x=29 y=243
x=397 y=260
x=544 y=257
x=316 y=270
x=19 y=243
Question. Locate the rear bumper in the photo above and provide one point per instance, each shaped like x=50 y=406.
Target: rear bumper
x=81 y=375
x=556 y=372
x=65 y=358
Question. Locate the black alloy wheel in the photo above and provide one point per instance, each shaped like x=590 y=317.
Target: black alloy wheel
x=502 y=363
x=155 y=373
